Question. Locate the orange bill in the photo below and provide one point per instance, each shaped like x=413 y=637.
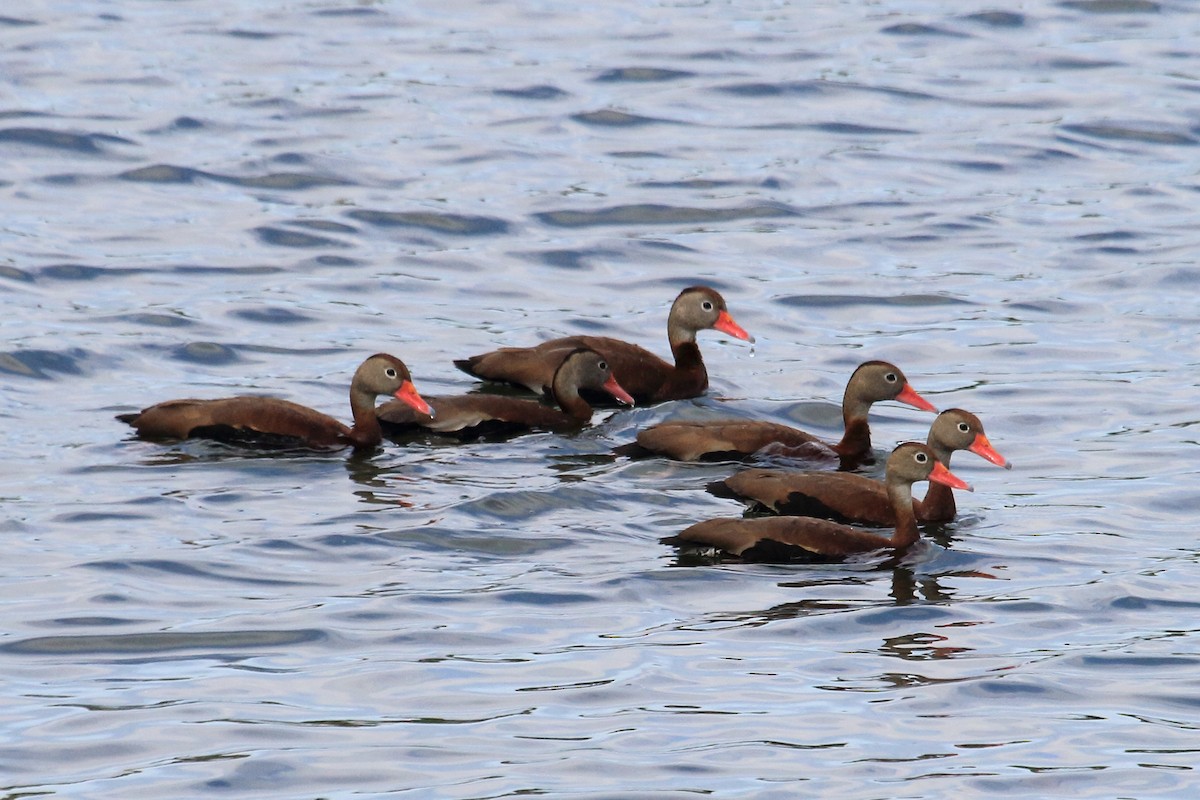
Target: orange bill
x=407 y=394
x=615 y=389
x=983 y=448
x=725 y=324
x=909 y=395
x=947 y=478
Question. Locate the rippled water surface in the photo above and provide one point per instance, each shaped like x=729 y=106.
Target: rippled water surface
x=213 y=198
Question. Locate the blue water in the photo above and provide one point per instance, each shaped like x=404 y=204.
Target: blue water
x=203 y=199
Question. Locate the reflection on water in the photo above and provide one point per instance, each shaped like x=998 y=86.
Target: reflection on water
x=247 y=198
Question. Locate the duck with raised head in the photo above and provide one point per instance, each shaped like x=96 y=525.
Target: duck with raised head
x=271 y=422
x=849 y=497
x=478 y=414
x=648 y=378
x=735 y=439
x=782 y=539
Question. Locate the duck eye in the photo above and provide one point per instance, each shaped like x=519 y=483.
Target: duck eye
x=921 y=458
x=707 y=305
x=964 y=427
x=603 y=365
x=390 y=372
x=890 y=377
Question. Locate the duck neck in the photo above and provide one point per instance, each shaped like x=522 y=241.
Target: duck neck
x=366 y=431
x=855 y=445
x=687 y=354
x=938 y=505
x=906 y=533
x=564 y=390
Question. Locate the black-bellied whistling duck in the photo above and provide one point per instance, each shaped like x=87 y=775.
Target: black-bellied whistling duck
x=731 y=439
x=271 y=422
x=811 y=539
x=475 y=414
x=849 y=497
x=644 y=375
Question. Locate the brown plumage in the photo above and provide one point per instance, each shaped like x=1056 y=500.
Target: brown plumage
x=269 y=421
x=809 y=539
x=644 y=375
x=732 y=439
x=473 y=414
x=849 y=497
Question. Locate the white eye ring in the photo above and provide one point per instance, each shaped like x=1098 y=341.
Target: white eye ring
x=390 y=372
x=707 y=305
x=921 y=458
x=603 y=365
x=890 y=377
x=964 y=427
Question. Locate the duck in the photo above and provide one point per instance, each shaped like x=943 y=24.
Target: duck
x=808 y=539
x=275 y=423
x=850 y=497
x=646 y=377
x=471 y=415
x=737 y=439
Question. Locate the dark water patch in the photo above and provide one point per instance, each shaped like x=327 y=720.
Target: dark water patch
x=1115 y=132
x=525 y=504
x=186 y=123
x=210 y=353
x=1068 y=63
x=657 y=214
x=1123 y=662
x=1187 y=277
x=162 y=173
x=980 y=166
x=648 y=154
x=22 y=114
x=760 y=90
x=1113 y=6
x=287 y=181
x=341 y=261
x=271 y=315
x=502 y=544
x=15 y=274
x=848 y=300
x=84 y=272
x=161 y=642
x=1056 y=308
x=279 y=237
x=43 y=364
x=178 y=568
x=641 y=75
x=82 y=143
x=611 y=118
x=573 y=259
x=204 y=269
x=919 y=29
x=997 y=19
x=453 y=224
x=537 y=92
x=85 y=517
x=16 y=22
x=92 y=622
x=544 y=599
x=324 y=225
x=238 y=33
x=1135 y=603
x=692 y=185
x=1108 y=236
x=672 y=247
x=850 y=129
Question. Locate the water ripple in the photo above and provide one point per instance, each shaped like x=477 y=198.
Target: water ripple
x=657 y=214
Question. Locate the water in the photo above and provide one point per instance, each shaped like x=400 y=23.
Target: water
x=203 y=199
